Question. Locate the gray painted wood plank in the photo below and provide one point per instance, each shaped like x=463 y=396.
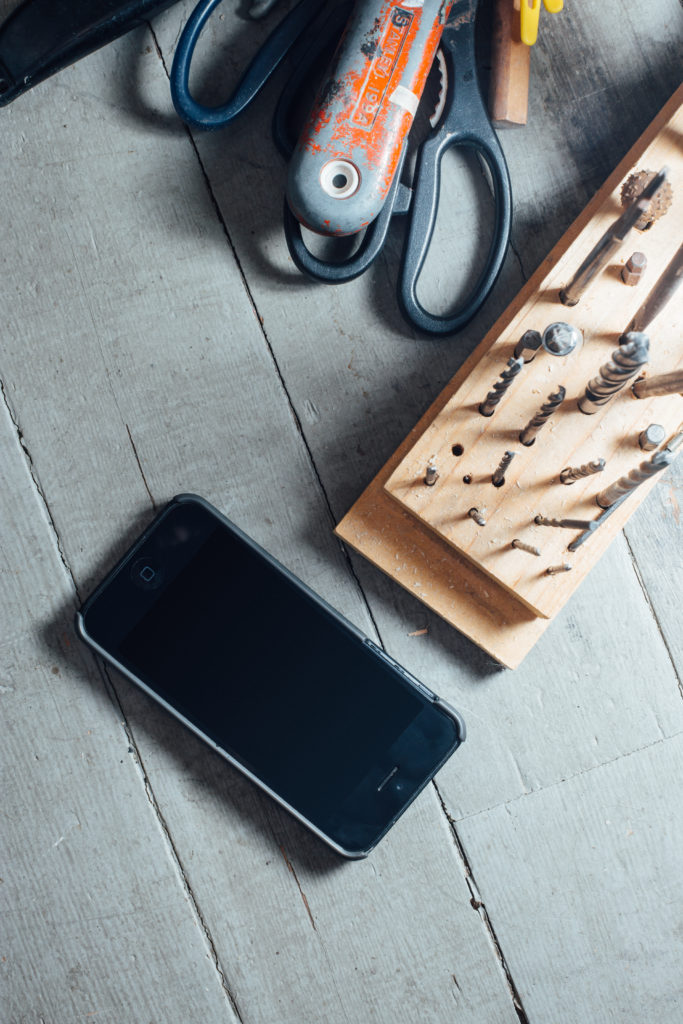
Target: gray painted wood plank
x=95 y=919
x=149 y=373
x=589 y=909
x=160 y=388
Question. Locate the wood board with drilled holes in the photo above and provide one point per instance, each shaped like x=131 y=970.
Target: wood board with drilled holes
x=500 y=596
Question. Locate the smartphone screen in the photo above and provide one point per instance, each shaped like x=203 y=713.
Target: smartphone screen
x=264 y=670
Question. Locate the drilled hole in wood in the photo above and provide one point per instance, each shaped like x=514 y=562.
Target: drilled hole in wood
x=457 y=449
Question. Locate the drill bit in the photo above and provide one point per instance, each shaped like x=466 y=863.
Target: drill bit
x=431 y=475
x=498 y=478
x=478 y=515
x=625 y=484
x=528 y=345
x=568 y=524
x=523 y=546
x=559 y=339
x=663 y=384
x=488 y=406
x=625 y=363
x=573 y=473
x=662 y=292
x=602 y=252
x=553 y=570
x=528 y=435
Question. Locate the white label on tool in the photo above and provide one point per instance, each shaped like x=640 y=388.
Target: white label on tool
x=403 y=97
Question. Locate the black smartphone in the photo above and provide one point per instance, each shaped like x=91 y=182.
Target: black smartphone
x=259 y=666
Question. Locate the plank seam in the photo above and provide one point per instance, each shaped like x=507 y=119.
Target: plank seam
x=28 y=458
x=142 y=472
x=568 y=778
x=653 y=612
x=113 y=696
x=264 y=333
x=480 y=907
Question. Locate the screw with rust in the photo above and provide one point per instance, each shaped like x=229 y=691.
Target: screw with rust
x=478 y=515
x=522 y=546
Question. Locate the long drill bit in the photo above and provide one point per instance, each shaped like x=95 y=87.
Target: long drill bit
x=625 y=484
x=573 y=473
x=663 y=384
x=662 y=292
x=528 y=435
x=488 y=406
x=625 y=363
x=602 y=252
x=567 y=524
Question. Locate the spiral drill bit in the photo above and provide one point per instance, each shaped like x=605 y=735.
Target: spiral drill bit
x=567 y=524
x=528 y=435
x=488 y=406
x=625 y=363
x=625 y=484
x=600 y=255
x=498 y=478
x=661 y=294
x=573 y=473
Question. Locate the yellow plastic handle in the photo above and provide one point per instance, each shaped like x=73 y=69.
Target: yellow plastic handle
x=553 y=6
x=529 y=12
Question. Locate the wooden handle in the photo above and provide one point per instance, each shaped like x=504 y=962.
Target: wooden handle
x=509 y=90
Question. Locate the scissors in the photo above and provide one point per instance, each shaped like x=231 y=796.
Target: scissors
x=461 y=120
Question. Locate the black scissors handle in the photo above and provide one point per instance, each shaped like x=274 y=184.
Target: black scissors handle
x=267 y=60
x=466 y=124
x=374 y=238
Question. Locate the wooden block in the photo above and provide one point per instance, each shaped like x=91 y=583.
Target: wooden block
x=510 y=61
x=423 y=537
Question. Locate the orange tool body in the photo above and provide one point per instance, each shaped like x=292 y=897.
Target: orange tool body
x=350 y=147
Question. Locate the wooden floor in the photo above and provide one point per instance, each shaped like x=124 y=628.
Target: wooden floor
x=156 y=338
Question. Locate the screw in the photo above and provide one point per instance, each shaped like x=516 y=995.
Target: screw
x=521 y=546
x=478 y=516
x=553 y=570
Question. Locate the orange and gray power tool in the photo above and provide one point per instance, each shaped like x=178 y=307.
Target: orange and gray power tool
x=349 y=151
